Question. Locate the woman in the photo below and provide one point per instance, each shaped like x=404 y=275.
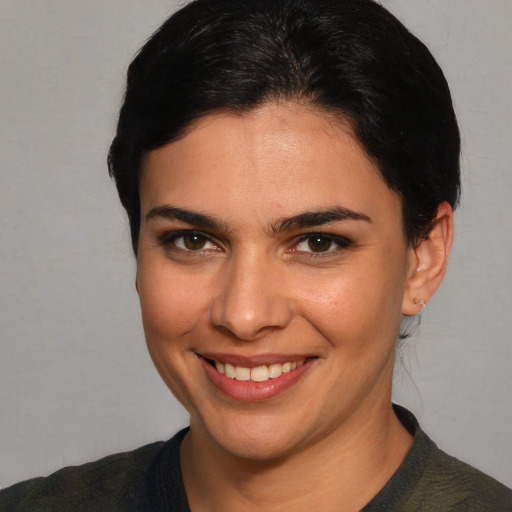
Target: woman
x=289 y=169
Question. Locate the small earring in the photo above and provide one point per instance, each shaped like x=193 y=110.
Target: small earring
x=420 y=268
x=421 y=303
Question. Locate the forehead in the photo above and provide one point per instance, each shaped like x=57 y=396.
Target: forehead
x=275 y=159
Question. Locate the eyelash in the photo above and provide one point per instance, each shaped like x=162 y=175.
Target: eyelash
x=168 y=240
x=340 y=242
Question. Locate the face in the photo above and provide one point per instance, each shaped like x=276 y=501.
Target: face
x=272 y=266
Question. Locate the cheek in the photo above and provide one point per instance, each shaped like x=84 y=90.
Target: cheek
x=355 y=306
x=171 y=303
x=170 y=311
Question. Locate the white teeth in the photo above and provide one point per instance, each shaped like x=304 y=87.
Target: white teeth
x=229 y=371
x=275 y=370
x=258 y=373
x=242 y=373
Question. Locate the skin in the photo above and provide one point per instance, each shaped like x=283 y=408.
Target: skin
x=252 y=284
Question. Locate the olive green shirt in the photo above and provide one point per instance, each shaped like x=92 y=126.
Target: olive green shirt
x=149 y=479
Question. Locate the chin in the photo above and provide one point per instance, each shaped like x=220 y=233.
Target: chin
x=254 y=437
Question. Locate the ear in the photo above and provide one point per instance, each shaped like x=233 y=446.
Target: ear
x=428 y=262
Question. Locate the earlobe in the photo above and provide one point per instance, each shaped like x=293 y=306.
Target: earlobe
x=429 y=262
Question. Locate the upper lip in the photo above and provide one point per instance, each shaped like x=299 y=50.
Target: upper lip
x=253 y=361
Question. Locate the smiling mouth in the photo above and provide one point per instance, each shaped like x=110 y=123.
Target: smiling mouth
x=260 y=373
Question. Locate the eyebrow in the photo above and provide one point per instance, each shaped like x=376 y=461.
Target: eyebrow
x=197 y=219
x=317 y=218
x=301 y=221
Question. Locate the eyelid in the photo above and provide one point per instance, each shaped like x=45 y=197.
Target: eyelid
x=168 y=238
x=341 y=243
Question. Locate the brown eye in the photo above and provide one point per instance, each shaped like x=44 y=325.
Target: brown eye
x=319 y=243
x=188 y=244
x=194 y=241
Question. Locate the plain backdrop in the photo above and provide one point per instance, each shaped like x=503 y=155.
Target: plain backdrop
x=76 y=382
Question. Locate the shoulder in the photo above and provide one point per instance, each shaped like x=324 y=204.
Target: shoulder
x=430 y=480
x=458 y=486
x=106 y=484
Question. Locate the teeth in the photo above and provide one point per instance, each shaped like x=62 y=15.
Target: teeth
x=242 y=373
x=229 y=370
x=258 y=373
x=275 y=370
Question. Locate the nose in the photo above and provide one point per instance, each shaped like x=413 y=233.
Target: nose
x=251 y=299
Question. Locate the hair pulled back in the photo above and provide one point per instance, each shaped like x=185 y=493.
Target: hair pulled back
x=350 y=58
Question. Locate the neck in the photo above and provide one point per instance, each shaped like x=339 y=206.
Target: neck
x=341 y=472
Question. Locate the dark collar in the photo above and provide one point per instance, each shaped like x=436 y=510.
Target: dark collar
x=167 y=491
x=404 y=480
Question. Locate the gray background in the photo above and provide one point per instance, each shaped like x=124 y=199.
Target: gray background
x=76 y=382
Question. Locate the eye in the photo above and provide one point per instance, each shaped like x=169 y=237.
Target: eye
x=192 y=241
x=321 y=243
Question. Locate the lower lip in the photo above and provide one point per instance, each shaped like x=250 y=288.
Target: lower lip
x=250 y=391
